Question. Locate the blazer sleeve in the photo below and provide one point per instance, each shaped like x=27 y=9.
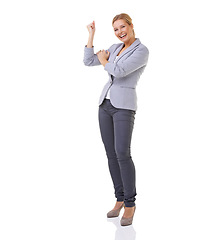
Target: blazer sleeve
x=132 y=63
x=90 y=59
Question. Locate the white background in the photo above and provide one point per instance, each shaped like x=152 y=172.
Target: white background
x=54 y=180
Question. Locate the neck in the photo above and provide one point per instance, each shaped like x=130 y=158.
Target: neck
x=130 y=42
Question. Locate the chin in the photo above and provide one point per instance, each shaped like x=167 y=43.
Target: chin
x=123 y=40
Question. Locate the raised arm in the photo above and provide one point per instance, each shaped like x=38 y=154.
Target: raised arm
x=91 y=29
x=90 y=59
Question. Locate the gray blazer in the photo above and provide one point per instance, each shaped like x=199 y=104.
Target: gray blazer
x=123 y=74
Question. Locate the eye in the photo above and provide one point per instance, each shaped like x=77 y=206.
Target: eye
x=123 y=26
x=115 y=30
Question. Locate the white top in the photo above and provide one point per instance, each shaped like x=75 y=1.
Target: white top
x=108 y=92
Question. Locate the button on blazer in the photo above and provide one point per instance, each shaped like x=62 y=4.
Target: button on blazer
x=124 y=73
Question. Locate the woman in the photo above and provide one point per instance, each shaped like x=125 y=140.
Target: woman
x=124 y=63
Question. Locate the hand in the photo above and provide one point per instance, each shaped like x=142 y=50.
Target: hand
x=91 y=28
x=103 y=56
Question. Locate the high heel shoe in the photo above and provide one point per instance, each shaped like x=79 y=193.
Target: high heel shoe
x=127 y=221
x=115 y=213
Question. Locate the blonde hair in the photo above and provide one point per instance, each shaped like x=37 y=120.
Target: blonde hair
x=125 y=17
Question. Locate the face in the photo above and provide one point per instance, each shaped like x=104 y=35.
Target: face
x=123 y=30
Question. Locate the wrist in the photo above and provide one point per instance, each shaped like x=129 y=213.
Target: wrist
x=91 y=36
x=104 y=62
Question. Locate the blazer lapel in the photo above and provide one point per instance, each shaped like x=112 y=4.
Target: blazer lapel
x=133 y=45
x=114 y=54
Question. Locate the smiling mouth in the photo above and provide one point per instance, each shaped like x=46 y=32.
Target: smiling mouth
x=123 y=35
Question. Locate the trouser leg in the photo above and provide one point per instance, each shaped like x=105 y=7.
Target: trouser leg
x=123 y=126
x=107 y=133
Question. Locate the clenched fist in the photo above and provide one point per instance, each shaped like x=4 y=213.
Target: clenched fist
x=91 y=28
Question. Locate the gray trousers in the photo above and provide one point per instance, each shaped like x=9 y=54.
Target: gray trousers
x=116 y=126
